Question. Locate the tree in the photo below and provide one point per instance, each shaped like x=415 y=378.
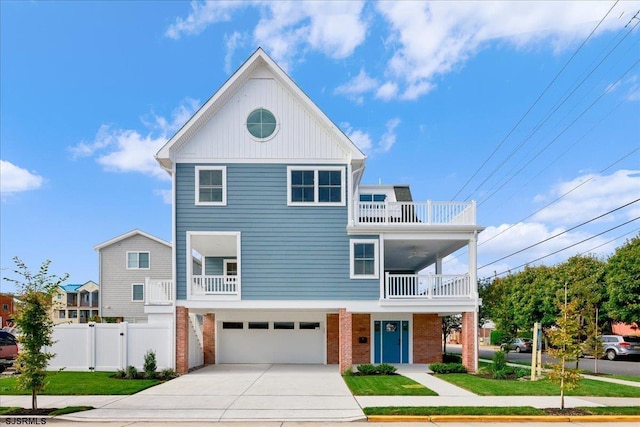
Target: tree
x=623 y=282
x=35 y=325
x=449 y=324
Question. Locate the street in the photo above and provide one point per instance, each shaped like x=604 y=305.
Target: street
x=618 y=367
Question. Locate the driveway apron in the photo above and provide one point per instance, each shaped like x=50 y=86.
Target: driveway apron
x=240 y=393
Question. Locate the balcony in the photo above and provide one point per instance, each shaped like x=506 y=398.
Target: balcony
x=416 y=213
x=158 y=291
x=215 y=285
x=427 y=287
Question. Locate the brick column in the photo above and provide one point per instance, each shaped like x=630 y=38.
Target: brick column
x=182 y=340
x=361 y=352
x=209 y=338
x=345 y=325
x=427 y=338
x=333 y=339
x=469 y=337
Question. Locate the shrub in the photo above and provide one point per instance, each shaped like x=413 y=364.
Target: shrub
x=499 y=360
x=498 y=337
x=448 y=368
x=386 y=369
x=451 y=358
x=131 y=373
x=167 y=374
x=367 y=369
x=120 y=374
x=348 y=372
x=150 y=365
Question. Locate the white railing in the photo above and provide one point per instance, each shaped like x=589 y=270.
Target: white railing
x=427 y=286
x=427 y=213
x=158 y=291
x=215 y=285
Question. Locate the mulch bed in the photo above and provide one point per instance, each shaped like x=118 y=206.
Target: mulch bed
x=567 y=412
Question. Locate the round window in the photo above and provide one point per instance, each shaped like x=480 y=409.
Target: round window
x=261 y=123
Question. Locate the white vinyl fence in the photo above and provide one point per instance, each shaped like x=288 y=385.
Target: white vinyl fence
x=110 y=346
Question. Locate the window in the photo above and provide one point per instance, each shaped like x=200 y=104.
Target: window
x=73 y=314
x=137 y=260
x=5 y=307
x=230 y=267
x=258 y=325
x=323 y=186
x=61 y=314
x=364 y=259
x=261 y=123
x=232 y=325
x=137 y=292
x=211 y=186
x=373 y=197
x=309 y=325
x=282 y=325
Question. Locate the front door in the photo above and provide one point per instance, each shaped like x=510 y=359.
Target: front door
x=391 y=341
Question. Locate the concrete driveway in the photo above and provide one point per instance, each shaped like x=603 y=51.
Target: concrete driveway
x=240 y=393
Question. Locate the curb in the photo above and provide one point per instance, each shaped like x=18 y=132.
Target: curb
x=502 y=418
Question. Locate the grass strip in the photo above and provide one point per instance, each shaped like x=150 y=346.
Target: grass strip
x=80 y=384
x=544 y=387
x=386 y=385
x=613 y=410
x=70 y=410
x=6 y=410
x=452 y=410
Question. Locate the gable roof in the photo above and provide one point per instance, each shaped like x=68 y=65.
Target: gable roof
x=130 y=234
x=259 y=58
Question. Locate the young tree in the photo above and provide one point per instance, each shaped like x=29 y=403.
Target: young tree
x=36 y=327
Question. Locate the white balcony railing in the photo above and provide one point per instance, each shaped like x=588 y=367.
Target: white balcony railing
x=158 y=291
x=427 y=286
x=427 y=213
x=215 y=285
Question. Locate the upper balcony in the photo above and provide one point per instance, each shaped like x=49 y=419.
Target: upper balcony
x=415 y=213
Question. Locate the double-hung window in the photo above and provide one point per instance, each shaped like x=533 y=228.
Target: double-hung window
x=364 y=259
x=137 y=260
x=137 y=292
x=315 y=186
x=211 y=185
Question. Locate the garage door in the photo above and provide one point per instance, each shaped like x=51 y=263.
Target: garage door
x=271 y=342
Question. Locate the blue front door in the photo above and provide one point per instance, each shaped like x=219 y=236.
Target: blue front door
x=391 y=341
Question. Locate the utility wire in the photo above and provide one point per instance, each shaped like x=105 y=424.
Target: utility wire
x=609 y=241
x=535 y=102
x=560 y=234
x=568 y=247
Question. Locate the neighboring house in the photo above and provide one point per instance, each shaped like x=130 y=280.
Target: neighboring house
x=300 y=262
x=126 y=263
x=76 y=303
x=7 y=309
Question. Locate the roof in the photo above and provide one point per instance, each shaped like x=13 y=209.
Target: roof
x=403 y=193
x=70 y=288
x=239 y=78
x=130 y=234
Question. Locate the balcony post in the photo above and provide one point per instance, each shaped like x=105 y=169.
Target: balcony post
x=473 y=265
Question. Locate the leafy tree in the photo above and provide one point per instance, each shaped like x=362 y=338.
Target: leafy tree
x=35 y=325
x=449 y=324
x=623 y=282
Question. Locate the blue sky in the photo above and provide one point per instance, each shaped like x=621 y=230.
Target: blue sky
x=502 y=103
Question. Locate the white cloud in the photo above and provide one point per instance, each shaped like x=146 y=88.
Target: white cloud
x=389 y=137
x=358 y=137
x=232 y=42
x=365 y=143
x=201 y=16
x=360 y=84
x=14 y=179
x=599 y=195
x=165 y=195
x=387 y=91
x=129 y=150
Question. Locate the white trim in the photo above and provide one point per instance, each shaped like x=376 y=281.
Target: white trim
x=316 y=185
x=130 y=234
x=376 y=259
x=143 y=291
x=223 y=169
x=138 y=263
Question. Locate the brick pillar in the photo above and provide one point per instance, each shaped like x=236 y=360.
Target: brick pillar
x=209 y=338
x=361 y=352
x=469 y=337
x=427 y=338
x=345 y=322
x=333 y=339
x=182 y=340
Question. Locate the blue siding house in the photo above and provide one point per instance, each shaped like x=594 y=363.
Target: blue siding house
x=281 y=255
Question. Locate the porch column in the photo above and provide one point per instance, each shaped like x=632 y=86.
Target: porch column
x=438 y=265
x=473 y=265
x=470 y=341
x=346 y=335
x=182 y=340
x=209 y=338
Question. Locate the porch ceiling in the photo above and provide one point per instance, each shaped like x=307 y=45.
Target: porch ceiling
x=219 y=245
x=415 y=255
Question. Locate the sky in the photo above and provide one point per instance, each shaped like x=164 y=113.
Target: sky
x=532 y=109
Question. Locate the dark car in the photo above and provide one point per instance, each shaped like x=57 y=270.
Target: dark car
x=8 y=350
x=520 y=345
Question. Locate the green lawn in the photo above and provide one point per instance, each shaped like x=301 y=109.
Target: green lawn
x=491 y=387
x=619 y=377
x=489 y=410
x=79 y=383
x=386 y=385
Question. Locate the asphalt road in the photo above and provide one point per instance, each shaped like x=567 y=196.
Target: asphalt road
x=619 y=367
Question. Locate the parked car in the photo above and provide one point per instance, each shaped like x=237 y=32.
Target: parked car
x=520 y=345
x=8 y=350
x=621 y=346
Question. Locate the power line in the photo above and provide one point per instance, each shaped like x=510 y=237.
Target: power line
x=609 y=241
x=568 y=247
x=560 y=234
x=535 y=102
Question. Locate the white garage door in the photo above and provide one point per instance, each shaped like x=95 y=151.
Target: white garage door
x=271 y=342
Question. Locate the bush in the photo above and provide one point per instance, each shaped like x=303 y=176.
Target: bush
x=150 y=365
x=348 y=373
x=498 y=337
x=499 y=360
x=386 y=369
x=448 y=368
x=131 y=373
x=451 y=358
x=120 y=374
x=167 y=374
x=367 y=369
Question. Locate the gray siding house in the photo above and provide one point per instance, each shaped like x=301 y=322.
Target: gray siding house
x=127 y=263
x=283 y=256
